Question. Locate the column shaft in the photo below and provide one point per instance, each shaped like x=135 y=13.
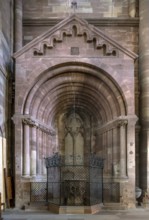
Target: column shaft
x=123 y=150
x=33 y=150
x=26 y=162
x=18 y=25
x=44 y=153
x=116 y=155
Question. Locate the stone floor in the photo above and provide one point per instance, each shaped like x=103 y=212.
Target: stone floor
x=136 y=214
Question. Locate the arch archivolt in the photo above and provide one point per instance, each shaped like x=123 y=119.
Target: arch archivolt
x=103 y=72
x=63 y=92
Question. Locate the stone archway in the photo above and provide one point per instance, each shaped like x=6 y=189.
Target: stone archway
x=49 y=125
x=86 y=92
x=75 y=69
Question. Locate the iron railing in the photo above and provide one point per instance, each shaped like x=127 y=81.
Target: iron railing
x=74 y=182
x=40 y=194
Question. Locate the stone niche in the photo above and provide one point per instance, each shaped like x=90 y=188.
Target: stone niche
x=75 y=97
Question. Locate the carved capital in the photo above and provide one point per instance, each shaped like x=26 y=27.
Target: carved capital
x=34 y=123
x=30 y=122
x=122 y=123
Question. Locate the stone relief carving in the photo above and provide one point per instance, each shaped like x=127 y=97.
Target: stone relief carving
x=76 y=30
x=34 y=123
x=122 y=123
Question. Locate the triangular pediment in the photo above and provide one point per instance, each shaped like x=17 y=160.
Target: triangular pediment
x=74 y=37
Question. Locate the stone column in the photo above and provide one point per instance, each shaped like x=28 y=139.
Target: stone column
x=33 y=150
x=44 y=153
x=144 y=80
x=18 y=25
x=137 y=156
x=116 y=165
x=123 y=171
x=26 y=153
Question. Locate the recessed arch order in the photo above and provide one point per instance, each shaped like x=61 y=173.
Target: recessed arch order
x=78 y=84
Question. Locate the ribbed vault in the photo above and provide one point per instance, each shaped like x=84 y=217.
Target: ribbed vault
x=75 y=87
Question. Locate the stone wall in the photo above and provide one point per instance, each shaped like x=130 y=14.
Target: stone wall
x=112 y=16
x=5 y=56
x=122 y=25
x=86 y=8
x=5 y=70
x=116 y=18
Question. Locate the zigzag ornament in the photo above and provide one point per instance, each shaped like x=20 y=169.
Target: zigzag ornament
x=75 y=30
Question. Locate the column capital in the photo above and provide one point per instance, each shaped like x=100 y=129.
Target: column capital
x=132 y=120
x=122 y=122
x=26 y=119
x=30 y=122
x=117 y=121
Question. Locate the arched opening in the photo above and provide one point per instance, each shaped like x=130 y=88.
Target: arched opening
x=75 y=110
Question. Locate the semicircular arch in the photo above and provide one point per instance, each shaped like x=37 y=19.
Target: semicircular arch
x=93 y=88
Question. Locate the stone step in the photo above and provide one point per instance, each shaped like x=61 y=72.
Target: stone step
x=113 y=206
x=36 y=207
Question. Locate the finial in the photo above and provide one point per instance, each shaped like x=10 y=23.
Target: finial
x=74 y=5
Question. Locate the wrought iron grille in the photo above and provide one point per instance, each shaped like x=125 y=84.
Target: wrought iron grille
x=71 y=184
x=74 y=185
x=110 y=192
x=38 y=192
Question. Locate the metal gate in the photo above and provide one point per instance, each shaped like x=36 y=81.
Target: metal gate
x=74 y=185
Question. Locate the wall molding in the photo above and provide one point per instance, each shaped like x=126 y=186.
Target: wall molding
x=94 y=21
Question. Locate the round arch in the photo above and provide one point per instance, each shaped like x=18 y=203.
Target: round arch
x=76 y=83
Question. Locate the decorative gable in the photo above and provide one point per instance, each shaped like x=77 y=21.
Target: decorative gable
x=75 y=37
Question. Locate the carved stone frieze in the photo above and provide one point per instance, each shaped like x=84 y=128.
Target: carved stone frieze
x=118 y=122
x=29 y=121
x=76 y=30
x=122 y=122
x=34 y=123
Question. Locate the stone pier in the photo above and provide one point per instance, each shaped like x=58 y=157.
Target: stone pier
x=144 y=76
